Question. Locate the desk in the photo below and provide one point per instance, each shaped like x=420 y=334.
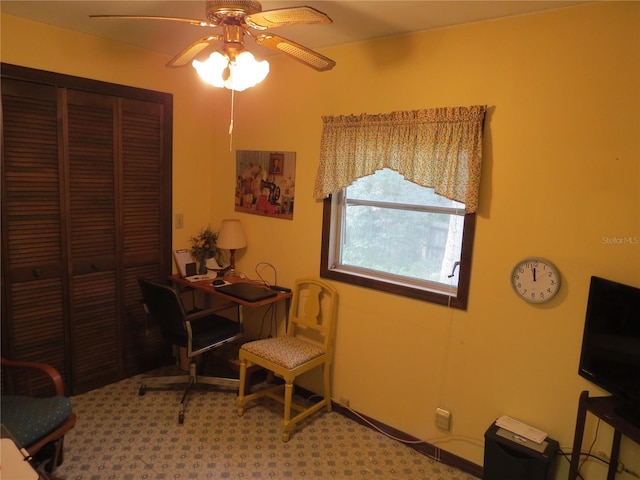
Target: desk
x=605 y=409
x=205 y=286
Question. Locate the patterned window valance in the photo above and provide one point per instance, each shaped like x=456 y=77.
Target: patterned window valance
x=440 y=148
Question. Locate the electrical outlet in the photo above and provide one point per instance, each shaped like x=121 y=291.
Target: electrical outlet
x=179 y=221
x=443 y=419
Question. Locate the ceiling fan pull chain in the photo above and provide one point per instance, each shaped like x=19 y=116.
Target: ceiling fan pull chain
x=233 y=95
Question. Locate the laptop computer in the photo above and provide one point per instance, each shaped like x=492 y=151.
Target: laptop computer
x=249 y=292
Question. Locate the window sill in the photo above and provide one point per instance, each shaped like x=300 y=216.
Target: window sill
x=440 y=297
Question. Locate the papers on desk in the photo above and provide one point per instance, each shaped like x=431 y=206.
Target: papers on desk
x=184 y=262
x=199 y=278
x=187 y=267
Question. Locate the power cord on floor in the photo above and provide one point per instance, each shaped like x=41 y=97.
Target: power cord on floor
x=595 y=438
x=437 y=452
x=567 y=457
x=376 y=427
x=630 y=472
x=474 y=441
x=620 y=468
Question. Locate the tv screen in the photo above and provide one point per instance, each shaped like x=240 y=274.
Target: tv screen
x=610 y=355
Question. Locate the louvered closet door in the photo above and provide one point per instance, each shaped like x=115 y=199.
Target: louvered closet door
x=91 y=125
x=142 y=196
x=86 y=210
x=33 y=304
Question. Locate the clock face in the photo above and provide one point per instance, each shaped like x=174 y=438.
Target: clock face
x=535 y=280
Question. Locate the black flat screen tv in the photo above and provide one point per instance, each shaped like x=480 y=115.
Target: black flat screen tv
x=610 y=356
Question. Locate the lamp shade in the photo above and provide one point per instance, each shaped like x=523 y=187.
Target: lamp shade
x=231 y=236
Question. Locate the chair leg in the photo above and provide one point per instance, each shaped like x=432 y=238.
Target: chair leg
x=286 y=422
x=54 y=458
x=183 y=402
x=193 y=372
x=193 y=378
x=247 y=380
x=241 y=387
x=60 y=452
x=326 y=373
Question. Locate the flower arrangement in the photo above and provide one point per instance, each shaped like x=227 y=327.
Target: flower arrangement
x=203 y=245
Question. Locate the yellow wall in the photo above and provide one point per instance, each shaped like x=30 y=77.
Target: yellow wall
x=47 y=48
x=561 y=173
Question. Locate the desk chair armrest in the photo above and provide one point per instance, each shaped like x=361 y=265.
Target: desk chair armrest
x=48 y=372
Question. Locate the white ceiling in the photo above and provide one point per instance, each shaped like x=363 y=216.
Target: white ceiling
x=353 y=20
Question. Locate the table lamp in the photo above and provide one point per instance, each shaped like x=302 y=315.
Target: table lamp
x=231 y=237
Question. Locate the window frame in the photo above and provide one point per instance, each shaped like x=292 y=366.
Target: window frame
x=376 y=281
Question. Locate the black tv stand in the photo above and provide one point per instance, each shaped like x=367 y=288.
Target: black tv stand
x=629 y=413
x=605 y=408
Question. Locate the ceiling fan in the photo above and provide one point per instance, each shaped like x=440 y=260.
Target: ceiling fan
x=246 y=17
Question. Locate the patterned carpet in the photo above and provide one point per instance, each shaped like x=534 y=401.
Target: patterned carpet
x=123 y=436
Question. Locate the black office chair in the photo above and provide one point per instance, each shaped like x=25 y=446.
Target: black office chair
x=197 y=332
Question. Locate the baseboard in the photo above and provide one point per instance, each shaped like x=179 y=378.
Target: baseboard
x=420 y=446
x=416 y=444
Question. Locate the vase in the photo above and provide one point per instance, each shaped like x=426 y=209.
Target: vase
x=203 y=264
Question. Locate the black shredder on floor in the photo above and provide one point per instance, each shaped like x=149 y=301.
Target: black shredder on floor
x=510 y=457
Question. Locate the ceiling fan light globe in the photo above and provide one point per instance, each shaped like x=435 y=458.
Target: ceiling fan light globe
x=212 y=69
x=247 y=71
x=242 y=73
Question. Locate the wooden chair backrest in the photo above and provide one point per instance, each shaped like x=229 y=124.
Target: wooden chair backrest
x=312 y=315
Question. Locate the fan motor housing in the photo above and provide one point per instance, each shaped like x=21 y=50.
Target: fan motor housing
x=223 y=9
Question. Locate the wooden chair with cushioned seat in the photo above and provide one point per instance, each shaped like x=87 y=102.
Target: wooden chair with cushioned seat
x=307 y=344
x=35 y=411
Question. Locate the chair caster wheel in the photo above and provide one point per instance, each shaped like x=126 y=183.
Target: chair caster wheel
x=181 y=418
x=142 y=390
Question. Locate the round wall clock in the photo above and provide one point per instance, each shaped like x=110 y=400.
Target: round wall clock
x=535 y=280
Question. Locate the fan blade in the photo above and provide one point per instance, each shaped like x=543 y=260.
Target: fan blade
x=286 y=16
x=185 y=56
x=302 y=54
x=192 y=21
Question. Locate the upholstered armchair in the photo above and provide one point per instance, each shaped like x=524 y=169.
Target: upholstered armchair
x=35 y=411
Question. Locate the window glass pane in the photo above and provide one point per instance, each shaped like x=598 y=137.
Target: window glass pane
x=419 y=245
x=389 y=186
x=391 y=235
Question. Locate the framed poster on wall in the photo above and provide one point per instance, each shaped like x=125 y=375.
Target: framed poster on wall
x=265 y=183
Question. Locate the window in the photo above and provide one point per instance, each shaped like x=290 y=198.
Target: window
x=400 y=193
x=387 y=233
